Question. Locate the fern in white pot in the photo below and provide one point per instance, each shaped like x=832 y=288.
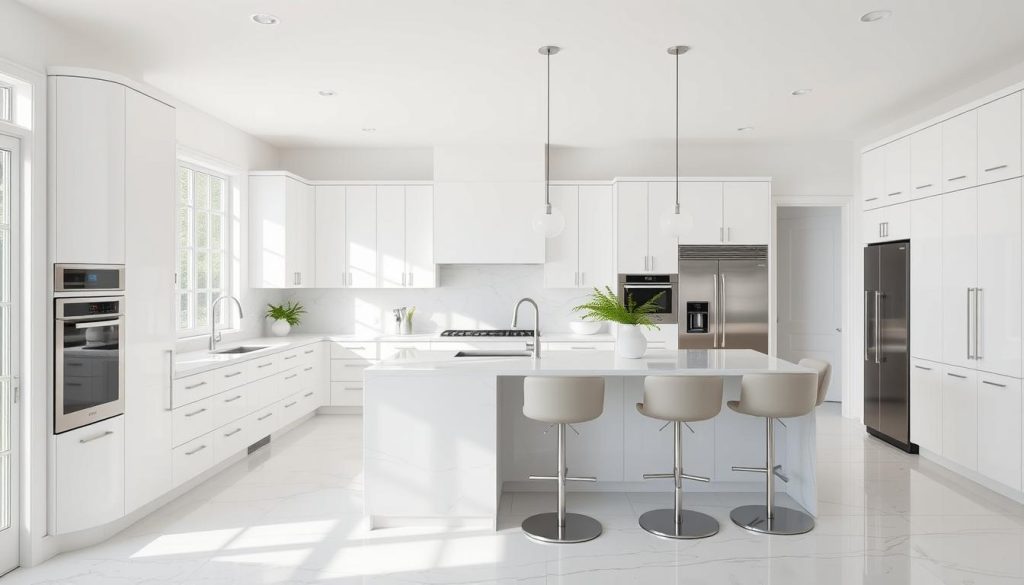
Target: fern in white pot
x=629 y=317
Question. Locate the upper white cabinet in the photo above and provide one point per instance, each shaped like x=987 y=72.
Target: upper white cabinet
x=926 y=162
x=999 y=139
x=87 y=162
x=960 y=151
x=703 y=200
x=331 y=261
x=361 y=235
x=662 y=245
x=897 y=171
x=419 y=236
x=281 y=232
x=872 y=178
x=886 y=224
x=405 y=236
x=581 y=256
x=644 y=245
x=747 y=212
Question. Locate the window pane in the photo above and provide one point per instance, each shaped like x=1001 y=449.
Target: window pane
x=184 y=315
x=202 y=191
x=202 y=269
x=184 y=276
x=202 y=309
x=5 y=185
x=217 y=193
x=5 y=277
x=202 y=229
x=184 y=227
x=216 y=231
x=184 y=186
x=216 y=269
x=223 y=311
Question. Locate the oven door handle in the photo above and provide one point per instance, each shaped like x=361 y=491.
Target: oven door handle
x=90 y=324
x=629 y=286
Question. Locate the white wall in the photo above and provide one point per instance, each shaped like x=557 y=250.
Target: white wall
x=360 y=164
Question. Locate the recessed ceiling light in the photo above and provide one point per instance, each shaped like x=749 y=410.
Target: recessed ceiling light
x=876 y=15
x=264 y=19
x=744 y=128
x=327 y=92
x=369 y=129
x=803 y=91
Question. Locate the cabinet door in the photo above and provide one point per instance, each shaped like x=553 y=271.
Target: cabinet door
x=419 y=236
x=330 y=236
x=267 y=227
x=631 y=227
x=926 y=162
x=872 y=178
x=88 y=118
x=926 y=278
x=897 y=171
x=999 y=139
x=926 y=405
x=150 y=333
x=747 y=213
x=361 y=235
x=959 y=273
x=300 y=224
x=562 y=252
x=596 y=217
x=391 y=236
x=703 y=201
x=960 y=416
x=999 y=278
x=872 y=226
x=960 y=151
x=999 y=432
x=662 y=245
x=89 y=476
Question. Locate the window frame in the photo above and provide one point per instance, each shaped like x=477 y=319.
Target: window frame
x=227 y=321
x=7 y=94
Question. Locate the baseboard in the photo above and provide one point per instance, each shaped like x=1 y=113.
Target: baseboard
x=340 y=410
x=969 y=474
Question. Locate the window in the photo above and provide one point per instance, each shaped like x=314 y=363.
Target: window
x=202 y=247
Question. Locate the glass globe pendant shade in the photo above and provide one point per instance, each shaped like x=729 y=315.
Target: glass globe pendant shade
x=550 y=222
x=676 y=224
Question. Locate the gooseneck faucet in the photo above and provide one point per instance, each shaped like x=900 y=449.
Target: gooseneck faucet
x=214 y=334
x=536 y=322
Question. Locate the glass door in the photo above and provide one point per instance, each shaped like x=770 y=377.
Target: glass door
x=10 y=188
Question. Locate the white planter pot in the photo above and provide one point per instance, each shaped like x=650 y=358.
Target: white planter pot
x=630 y=342
x=280 y=328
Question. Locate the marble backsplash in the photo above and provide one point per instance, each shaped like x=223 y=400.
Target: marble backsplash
x=468 y=297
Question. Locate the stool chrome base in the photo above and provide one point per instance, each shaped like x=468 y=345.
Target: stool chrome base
x=786 y=521
x=694 y=525
x=577 y=528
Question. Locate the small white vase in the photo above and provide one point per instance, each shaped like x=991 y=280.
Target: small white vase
x=280 y=328
x=630 y=342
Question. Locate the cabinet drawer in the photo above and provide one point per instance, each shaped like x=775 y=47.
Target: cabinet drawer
x=312 y=354
x=89 y=476
x=999 y=429
x=192 y=458
x=354 y=351
x=192 y=420
x=232 y=438
x=192 y=388
x=347 y=370
x=291 y=358
x=346 y=394
x=312 y=399
x=231 y=405
x=291 y=408
x=391 y=348
x=960 y=416
x=454 y=346
x=926 y=405
x=580 y=346
x=291 y=382
x=232 y=376
x=264 y=367
x=265 y=421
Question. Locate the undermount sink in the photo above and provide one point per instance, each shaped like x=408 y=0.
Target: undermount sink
x=492 y=353
x=241 y=349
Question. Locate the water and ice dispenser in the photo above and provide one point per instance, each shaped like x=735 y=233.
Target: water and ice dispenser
x=697 y=316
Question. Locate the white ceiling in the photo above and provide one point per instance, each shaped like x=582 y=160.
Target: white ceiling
x=427 y=72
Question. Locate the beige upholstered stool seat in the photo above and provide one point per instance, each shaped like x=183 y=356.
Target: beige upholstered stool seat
x=824 y=370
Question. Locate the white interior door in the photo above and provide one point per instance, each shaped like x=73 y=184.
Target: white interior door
x=809 y=288
x=10 y=186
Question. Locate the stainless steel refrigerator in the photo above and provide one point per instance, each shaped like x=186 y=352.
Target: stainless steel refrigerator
x=723 y=297
x=887 y=343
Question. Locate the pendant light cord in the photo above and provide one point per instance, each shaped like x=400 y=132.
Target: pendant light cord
x=677 y=133
x=547 y=147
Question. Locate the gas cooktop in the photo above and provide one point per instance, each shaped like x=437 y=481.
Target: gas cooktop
x=487 y=333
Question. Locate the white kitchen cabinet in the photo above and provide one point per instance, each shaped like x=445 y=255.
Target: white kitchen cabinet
x=419 y=236
x=886 y=224
x=999 y=139
x=926 y=278
x=282 y=227
x=872 y=178
x=897 y=171
x=960 y=151
x=959 y=274
x=331 y=260
x=747 y=211
x=562 y=252
x=89 y=476
x=999 y=283
x=581 y=256
x=346 y=393
x=193 y=458
x=926 y=162
x=391 y=236
x=150 y=333
x=703 y=201
x=999 y=429
x=361 y=235
x=631 y=226
x=662 y=245
x=960 y=416
x=87 y=155
x=926 y=405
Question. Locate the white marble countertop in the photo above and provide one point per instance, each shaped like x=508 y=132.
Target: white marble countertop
x=436 y=337
x=704 y=362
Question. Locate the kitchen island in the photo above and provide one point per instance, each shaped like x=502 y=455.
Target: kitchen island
x=444 y=436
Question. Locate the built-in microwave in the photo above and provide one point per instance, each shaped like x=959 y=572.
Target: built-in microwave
x=641 y=288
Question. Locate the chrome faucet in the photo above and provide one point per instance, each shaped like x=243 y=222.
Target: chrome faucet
x=536 y=322
x=214 y=334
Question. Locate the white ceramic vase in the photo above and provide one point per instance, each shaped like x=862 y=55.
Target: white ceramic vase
x=630 y=342
x=280 y=328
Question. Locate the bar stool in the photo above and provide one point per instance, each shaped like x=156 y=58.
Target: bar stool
x=773 y=396
x=824 y=370
x=680 y=399
x=562 y=401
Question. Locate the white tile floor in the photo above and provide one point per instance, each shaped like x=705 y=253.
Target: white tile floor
x=292 y=515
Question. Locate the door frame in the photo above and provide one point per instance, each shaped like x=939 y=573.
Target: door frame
x=851 y=407
x=16 y=145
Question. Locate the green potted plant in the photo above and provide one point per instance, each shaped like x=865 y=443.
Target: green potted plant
x=629 y=317
x=285 y=316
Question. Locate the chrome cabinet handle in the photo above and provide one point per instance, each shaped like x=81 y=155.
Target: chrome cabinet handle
x=353 y=347
x=309 y=351
x=997 y=385
x=871 y=199
x=576 y=278
x=582 y=347
x=977 y=324
x=290 y=404
x=989 y=170
x=721 y=234
x=196 y=450
x=191 y=414
x=410 y=279
x=403 y=279
x=951 y=374
x=291 y=357
x=170 y=381
x=268 y=364
x=95 y=437
x=925 y=186
x=266 y=416
x=194 y=386
x=957 y=178
x=232 y=399
x=970 y=355
x=583 y=278
x=307 y=394
x=233 y=374
x=290 y=377
x=894 y=193
x=234 y=432
x=297 y=279
x=355 y=365
x=878 y=328
x=922 y=368
x=308 y=369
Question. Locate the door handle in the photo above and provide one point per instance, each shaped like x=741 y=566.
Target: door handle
x=996 y=384
x=878 y=328
x=721 y=307
x=952 y=375
x=721 y=234
x=403 y=279
x=714 y=327
x=170 y=381
x=996 y=168
x=970 y=355
x=94 y=437
x=922 y=368
x=866 y=293
x=410 y=279
x=977 y=323
x=583 y=278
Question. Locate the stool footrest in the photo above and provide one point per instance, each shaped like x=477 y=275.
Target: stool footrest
x=776 y=471
x=555 y=478
x=672 y=476
x=749 y=469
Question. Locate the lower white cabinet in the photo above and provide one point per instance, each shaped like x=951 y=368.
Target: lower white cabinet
x=887 y=224
x=926 y=405
x=192 y=458
x=89 y=476
x=232 y=438
x=347 y=393
x=999 y=433
x=577 y=345
x=192 y=420
x=960 y=416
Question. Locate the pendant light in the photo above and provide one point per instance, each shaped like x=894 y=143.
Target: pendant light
x=552 y=221
x=679 y=222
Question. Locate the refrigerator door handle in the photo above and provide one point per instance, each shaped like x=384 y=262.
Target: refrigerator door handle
x=867 y=293
x=721 y=309
x=714 y=311
x=878 y=329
